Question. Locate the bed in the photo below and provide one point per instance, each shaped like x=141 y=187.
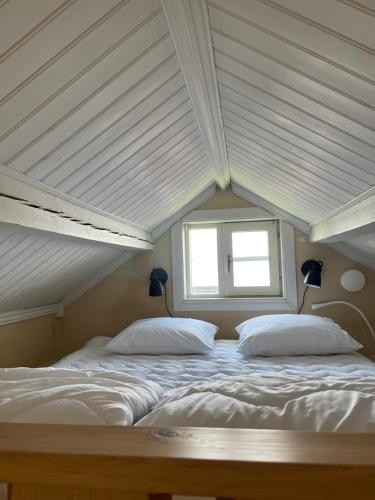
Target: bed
x=224 y=388
x=225 y=372
x=173 y=371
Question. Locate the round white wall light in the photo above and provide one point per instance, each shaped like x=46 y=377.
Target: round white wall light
x=352 y=280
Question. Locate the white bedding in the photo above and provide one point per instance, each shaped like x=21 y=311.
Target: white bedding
x=289 y=403
x=50 y=395
x=171 y=371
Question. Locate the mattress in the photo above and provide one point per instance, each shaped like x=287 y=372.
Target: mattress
x=172 y=371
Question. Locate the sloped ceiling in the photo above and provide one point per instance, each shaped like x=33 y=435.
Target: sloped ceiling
x=296 y=82
x=93 y=103
x=94 y=106
x=38 y=268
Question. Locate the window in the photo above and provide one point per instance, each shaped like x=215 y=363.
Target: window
x=232 y=260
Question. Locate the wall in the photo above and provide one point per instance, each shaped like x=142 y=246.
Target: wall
x=123 y=296
x=29 y=343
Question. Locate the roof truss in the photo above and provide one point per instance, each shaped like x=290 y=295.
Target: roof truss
x=30 y=206
x=190 y=30
x=353 y=219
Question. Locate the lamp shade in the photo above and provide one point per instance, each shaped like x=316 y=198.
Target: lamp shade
x=158 y=279
x=312 y=270
x=156 y=289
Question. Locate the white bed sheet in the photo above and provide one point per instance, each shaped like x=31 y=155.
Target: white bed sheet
x=172 y=371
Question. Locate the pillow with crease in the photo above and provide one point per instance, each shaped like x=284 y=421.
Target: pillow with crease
x=293 y=335
x=165 y=336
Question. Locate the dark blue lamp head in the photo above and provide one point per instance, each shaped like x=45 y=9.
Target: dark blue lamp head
x=312 y=270
x=158 y=279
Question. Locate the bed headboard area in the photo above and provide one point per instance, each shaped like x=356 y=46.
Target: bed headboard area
x=122 y=297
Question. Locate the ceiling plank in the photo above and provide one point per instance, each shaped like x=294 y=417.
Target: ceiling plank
x=189 y=27
x=270 y=207
x=352 y=219
x=28 y=205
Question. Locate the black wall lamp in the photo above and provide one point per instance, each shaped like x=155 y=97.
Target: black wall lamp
x=158 y=285
x=312 y=271
x=158 y=280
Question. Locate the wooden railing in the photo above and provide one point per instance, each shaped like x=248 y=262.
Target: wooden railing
x=86 y=462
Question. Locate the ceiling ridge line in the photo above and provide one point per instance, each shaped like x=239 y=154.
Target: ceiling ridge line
x=190 y=32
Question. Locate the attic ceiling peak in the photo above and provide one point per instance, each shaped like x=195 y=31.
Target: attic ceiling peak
x=189 y=26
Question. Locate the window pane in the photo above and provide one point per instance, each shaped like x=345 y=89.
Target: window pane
x=251 y=273
x=203 y=261
x=250 y=244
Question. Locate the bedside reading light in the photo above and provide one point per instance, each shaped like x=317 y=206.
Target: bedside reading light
x=312 y=270
x=158 y=285
x=314 y=307
x=158 y=280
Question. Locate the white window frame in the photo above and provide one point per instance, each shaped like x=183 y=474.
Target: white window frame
x=274 y=288
x=288 y=298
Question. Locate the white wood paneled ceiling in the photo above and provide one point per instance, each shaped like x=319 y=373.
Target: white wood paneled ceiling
x=130 y=109
x=296 y=81
x=38 y=268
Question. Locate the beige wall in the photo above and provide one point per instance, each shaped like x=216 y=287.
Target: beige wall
x=123 y=296
x=34 y=342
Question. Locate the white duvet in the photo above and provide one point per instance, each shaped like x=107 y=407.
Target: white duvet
x=290 y=403
x=60 y=396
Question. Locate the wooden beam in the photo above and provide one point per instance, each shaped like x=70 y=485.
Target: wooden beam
x=191 y=461
x=353 y=219
x=35 y=312
x=190 y=30
x=33 y=205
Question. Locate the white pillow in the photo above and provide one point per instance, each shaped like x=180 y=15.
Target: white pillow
x=293 y=335
x=165 y=336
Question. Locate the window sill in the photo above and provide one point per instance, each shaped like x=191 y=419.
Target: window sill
x=237 y=304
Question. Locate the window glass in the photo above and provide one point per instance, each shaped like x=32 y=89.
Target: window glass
x=250 y=244
x=251 y=273
x=203 y=261
x=250 y=254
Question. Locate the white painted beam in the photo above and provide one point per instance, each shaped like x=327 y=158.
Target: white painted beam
x=21 y=214
x=190 y=30
x=27 y=204
x=35 y=312
x=351 y=220
x=270 y=207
